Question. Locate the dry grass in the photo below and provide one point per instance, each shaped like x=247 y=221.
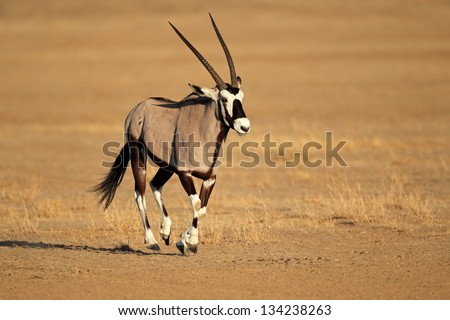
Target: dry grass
x=121 y=223
x=252 y=228
x=27 y=206
x=120 y=218
x=393 y=203
x=212 y=229
x=246 y=228
x=256 y=222
x=14 y=192
x=389 y=206
x=22 y=220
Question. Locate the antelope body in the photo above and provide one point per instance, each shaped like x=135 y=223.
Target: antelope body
x=182 y=137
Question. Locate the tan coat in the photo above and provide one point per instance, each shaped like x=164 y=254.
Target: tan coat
x=187 y=136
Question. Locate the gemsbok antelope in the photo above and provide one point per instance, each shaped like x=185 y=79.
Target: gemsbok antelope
x=161 y=129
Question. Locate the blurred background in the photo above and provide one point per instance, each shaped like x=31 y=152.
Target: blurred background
x=375 y=73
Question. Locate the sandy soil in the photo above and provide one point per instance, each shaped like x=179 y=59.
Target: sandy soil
x=376 y=74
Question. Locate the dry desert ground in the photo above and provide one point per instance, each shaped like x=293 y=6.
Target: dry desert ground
x=374 y=73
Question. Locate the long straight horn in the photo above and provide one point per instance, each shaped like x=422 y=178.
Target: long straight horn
x=220 y=84
x=234 y=81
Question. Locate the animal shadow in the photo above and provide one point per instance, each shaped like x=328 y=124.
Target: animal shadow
x=122 y=249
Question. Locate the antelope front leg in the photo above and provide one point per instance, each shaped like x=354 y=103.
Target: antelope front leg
x=189 y=239
x=205 y=193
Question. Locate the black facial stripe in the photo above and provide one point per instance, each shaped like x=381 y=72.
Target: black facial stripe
x=238 y=111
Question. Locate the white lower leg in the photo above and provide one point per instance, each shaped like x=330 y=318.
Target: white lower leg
x=206 y=190
x=142 y=206
x=166 y=223
x=190 y=236
x=166 y=226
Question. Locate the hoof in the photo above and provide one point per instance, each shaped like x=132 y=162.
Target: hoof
x=192 y=248
x=167 y=240
x=183 y=249
x=154 y=247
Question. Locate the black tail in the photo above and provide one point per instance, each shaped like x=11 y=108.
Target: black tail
x=107 y=188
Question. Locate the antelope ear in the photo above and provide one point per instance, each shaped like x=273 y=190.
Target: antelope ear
x=205 y=92
x=239 y=81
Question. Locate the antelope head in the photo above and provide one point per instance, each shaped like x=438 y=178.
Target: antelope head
x=228 y=97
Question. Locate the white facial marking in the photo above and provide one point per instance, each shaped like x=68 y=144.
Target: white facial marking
x=229 y=97
x=224 y=115
x=242 y=126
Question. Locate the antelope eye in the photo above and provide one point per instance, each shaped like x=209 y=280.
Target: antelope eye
x=223 y=99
